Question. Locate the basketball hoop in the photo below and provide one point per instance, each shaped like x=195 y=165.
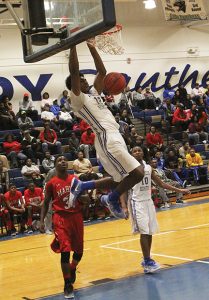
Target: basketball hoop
x=109 y=42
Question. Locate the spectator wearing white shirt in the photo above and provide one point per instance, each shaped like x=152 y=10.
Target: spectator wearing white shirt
x=65 y=117
x=26 y=104
x=46 y=100
x=47 y=115
x=197 y=93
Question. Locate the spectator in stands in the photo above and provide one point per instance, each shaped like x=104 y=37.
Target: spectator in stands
x=176 y=99
x=151 y=102
x=73 y=144
x=169 y=109
x=31 y=147
x=168 y=93
x=65 y=98
x=123 y=105
x=4 y=178
x=202 y=117
x=159 y=160
x=27 y=105
x=124 y=116
x=184 y=150
x=45 y=100
x=182 y=93
x=132 y=135
x=64 y=131
x=139 y=98
x=83 y=168
x=124 y=128
x=15 y=205
x=55 y=108
x=48 y=137
x=65 y=117
x=4 y=160
x=87 y=142
x=161 y=174
x=126 y=95
x=194 y=162
x=196 y=132
x=154 y=139
x=29 y=171
x=34 y=199
x=139 y=142
x=48 y=162
x=13 y=150
x=8 y=106
x=180 y=118
x=197 y=92
x=7 y=121
x=24 y=122
x=47 y=115
x=83 y=125
x=192 y=113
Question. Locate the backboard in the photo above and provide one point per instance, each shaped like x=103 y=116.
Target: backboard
x=51 y=26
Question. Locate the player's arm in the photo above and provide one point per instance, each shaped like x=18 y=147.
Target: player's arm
x=123 y=203
x=167 y=186
x=45 y=206
x=74 y=71
x=101 y=71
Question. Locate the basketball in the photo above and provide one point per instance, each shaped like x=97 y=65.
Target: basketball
x=114 y=83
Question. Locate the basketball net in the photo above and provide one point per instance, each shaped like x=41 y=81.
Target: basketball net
x=109 y=42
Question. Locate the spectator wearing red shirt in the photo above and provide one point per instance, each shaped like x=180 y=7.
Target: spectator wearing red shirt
x=13 y=150
x=48 y=137
x=87 y=142
x=83 y=125
x=33 y=202
x=15 y=205
x=180 y=118
x=154 y=139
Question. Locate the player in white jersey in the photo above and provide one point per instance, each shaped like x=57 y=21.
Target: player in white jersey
x=142 y=210
x=110 y=146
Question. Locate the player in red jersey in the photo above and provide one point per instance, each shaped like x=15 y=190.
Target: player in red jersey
x=67 y=221
x=34 y=198
x=15 y=205
x=4 y=214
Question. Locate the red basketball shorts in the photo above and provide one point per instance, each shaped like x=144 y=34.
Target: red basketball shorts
x=68 y=229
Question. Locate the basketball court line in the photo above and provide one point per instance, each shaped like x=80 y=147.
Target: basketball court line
x=110 y=246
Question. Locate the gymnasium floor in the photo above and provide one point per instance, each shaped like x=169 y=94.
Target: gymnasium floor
x=111 y=268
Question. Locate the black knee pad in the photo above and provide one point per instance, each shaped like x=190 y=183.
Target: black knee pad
x=65 y=257
x=77 y=256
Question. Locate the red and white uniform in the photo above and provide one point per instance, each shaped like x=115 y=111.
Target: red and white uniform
x=68 y=221
x=14 y=200
x=35 y=197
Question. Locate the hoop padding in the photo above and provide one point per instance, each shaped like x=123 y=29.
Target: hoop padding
x=110 y=42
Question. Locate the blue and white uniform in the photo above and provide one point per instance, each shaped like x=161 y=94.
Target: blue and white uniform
x=141 y=206
x=109 y=144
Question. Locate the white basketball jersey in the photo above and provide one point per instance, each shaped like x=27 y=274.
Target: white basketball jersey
x=142 y=190
x=93 y=110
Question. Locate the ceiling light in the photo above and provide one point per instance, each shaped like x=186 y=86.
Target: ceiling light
x=149 y=4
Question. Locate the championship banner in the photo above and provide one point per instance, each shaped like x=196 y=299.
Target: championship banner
x=184 y=10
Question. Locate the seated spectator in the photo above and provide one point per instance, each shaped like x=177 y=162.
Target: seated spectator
x=31 y=147
x=123 y=104
x=161 y=174
x=64 y=131
x=27 y=105
x=29 y=170
x=83 y=168
x=8 y=106
x=65 y=117
x=159 y=160
x=196 y=133
x=15 y=205
x=139 y=141
x=13 y=150
x=168 y=93
x=45 y=100
x=48 y=162
x=194 y=162
x=48 y=137
x=26 y=123
x=125 y=118
x=180 y=118
x=55 y=108
x=176 y=99
x=184 y=150
x=87 y=142
x=73 y=144
x=151 y=102
x=197 y=92
x=169 y=109
x=139 y=98
x=65 y=98
x=182 y=93
x=47 y=115
x=4 y=178
x=154 y=139
x=34 y=199
x=83 y=125
x=202 y=117
x=126 y=95
x=7 y=121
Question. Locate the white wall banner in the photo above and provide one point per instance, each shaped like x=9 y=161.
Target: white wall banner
x=184 y=10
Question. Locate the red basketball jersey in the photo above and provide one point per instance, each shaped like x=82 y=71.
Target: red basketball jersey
x=60 y=191
x=34 y=197
x=14 y=200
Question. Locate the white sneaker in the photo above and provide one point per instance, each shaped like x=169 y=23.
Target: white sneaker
x=48 y=232
x=167 y=205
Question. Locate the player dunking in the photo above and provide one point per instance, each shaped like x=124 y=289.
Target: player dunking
x=142 y=210
x=67 y=220
x=111 y=149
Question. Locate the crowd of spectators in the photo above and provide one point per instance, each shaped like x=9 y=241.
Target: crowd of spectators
x=34 y=148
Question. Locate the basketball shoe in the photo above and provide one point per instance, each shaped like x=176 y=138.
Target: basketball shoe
x=68 y=291
x=150 y=266
x=113 y=206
